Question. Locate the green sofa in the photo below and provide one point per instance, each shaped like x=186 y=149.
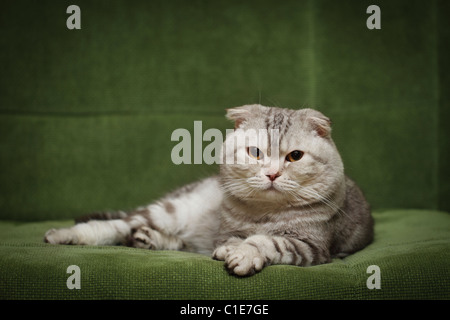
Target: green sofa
x=86 y=117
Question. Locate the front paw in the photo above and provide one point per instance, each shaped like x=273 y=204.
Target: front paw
x=222 y=252
x=60 y=236
x=244 y=260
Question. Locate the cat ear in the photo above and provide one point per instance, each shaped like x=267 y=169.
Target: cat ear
x=239 y=114
x=321 y=124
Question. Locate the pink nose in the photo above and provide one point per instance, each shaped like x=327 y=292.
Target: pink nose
x=272 y=177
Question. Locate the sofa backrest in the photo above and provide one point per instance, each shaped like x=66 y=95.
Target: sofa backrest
x=86 y=115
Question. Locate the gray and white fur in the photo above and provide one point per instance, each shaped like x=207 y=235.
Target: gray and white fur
x=298 y=209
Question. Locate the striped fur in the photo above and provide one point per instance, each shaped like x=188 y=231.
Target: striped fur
x=306 y=214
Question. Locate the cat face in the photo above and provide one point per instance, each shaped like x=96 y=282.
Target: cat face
x=281 y=155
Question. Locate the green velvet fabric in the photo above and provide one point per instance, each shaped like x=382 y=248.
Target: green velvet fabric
x=86 y=118
x=86 y=115
x=34 y=270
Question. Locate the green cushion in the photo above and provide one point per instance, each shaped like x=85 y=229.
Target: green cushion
x=411 y=248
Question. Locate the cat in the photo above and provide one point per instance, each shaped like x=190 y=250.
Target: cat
x=291 y=204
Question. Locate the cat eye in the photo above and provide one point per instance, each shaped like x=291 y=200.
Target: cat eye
x=254 y=152
x=294 y=156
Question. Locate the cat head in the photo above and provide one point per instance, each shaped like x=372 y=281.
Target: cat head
x=280 y=155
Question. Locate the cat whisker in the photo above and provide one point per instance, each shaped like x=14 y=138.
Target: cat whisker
x=239 y=186
x=325 y=200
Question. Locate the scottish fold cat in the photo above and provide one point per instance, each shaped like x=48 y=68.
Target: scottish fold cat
x=284 y=200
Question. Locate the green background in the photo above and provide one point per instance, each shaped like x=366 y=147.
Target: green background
x=86 y=115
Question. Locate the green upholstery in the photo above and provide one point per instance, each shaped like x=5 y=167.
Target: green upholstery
x=410 y=248
x=86 y=118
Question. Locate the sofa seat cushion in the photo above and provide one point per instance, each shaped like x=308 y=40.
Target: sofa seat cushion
x=411 y=249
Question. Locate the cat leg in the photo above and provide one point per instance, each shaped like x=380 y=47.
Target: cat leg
x=258 y=251
x=186 y=219
x=106 y=232
x=137 y=229
x=91 y=233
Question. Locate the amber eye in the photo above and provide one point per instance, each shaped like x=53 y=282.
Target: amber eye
x=294 y=156
x=254 y=152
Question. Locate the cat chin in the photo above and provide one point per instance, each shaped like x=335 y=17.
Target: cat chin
x=271 y=194
x=279 y=196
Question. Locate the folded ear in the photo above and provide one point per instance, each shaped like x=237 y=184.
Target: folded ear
x=320 y=124
x=240 y=114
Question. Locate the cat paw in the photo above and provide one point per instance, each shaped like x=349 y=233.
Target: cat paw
x=221 y=252
x=60 y=236
x=142 y=238
x=244 y=260
x=148 y=238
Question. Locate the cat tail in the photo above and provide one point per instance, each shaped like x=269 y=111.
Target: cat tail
x=102 y=216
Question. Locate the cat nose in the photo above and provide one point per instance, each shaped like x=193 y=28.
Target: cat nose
x=272 y=177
